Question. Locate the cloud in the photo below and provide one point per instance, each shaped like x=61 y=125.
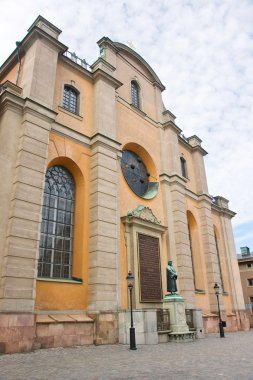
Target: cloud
x=202 y=52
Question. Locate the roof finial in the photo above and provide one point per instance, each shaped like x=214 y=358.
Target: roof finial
x=131 y=45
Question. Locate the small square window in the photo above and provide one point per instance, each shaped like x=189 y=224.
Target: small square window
x=250 y=281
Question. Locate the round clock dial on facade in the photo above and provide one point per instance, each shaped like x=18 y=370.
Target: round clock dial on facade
x=137 y=175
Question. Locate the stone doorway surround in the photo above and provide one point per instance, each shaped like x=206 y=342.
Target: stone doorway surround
x=142 y=221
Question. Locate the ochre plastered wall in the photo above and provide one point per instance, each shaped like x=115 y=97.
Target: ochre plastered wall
x=67 y=75
x=186 y=154
x=59 y=295
x=129 y=69
x=226 y=299
x=11 y=75
x=201 y=299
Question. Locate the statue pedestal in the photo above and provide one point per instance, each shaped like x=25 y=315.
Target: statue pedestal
x=178 y=326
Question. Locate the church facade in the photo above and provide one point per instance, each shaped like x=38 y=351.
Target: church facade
x=96 y=180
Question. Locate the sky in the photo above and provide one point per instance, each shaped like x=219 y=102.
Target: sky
x=201 y=50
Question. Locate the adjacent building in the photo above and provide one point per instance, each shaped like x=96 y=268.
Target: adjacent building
x=245 y=262
x=96 y=180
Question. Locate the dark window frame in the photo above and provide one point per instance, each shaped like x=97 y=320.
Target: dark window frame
x=70 y=99
x=135 y=94
x=57 y=226
x=183 y=164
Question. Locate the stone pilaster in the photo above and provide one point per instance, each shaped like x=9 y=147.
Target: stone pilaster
x=104 y=226
x=209 y=248
x=104 y=207
x=182 y=242
x=230 y=253
x=199 y=166
x=28 y=165
x=41 y=55
x=173 y=189
x=170 y=163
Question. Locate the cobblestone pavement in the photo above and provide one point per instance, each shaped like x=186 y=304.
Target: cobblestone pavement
x=209 y=358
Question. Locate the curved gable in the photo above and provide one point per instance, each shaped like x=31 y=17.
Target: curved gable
x=125 y=49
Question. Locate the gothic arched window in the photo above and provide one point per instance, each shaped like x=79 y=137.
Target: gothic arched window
x=135 y=92
x=57 y=227
x=70 y=99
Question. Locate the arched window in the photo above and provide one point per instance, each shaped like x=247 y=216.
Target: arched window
x=193 y=269
x=195 y=251
x=183 y=167
x=56 y=239
x=135 y=92
x=70 y=99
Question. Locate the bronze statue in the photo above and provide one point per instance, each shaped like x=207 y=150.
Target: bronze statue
x=171 y=278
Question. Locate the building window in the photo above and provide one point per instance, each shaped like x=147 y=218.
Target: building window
x=219 y=262
x=56 y=239
x=135 y=92
x=70 y=99
x=183 y=167
x=251 y=304
x=250 y=281
x=248 y=265
x=193 y=269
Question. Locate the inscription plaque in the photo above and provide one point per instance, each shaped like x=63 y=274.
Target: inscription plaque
x=150 y=272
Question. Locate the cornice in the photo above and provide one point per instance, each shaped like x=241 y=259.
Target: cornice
x=200 y=149
x=100 y=74
x=167 y=112
x=140 y=113
x=99 y=139
x=47 y=23
x=107 y=41
x=34 y=33
x=102 y=61
x=205 y=198
x=76 y=66
x=65 y=131
x=122 y=47
x=117 y=47
x=138 y=222
x=171 y=125
x=36 y=109
x=11 y=101
x=223 y=211
x=172 y=179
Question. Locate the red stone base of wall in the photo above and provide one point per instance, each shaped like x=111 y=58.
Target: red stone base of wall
x=17 y=332
x=27 y=332
x=238 y=320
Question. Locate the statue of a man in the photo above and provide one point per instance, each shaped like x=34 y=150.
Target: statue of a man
x=171 y=278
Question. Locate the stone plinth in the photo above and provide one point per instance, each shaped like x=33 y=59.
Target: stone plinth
x=176 y=306
x=145 y=324
x=178 y=326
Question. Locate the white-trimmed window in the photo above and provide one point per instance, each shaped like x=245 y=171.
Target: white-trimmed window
x=135 y=94
x=70 y=99
x=57 y=227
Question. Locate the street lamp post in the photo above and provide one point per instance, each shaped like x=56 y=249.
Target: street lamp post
x=130 y=279
x=216 y=289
